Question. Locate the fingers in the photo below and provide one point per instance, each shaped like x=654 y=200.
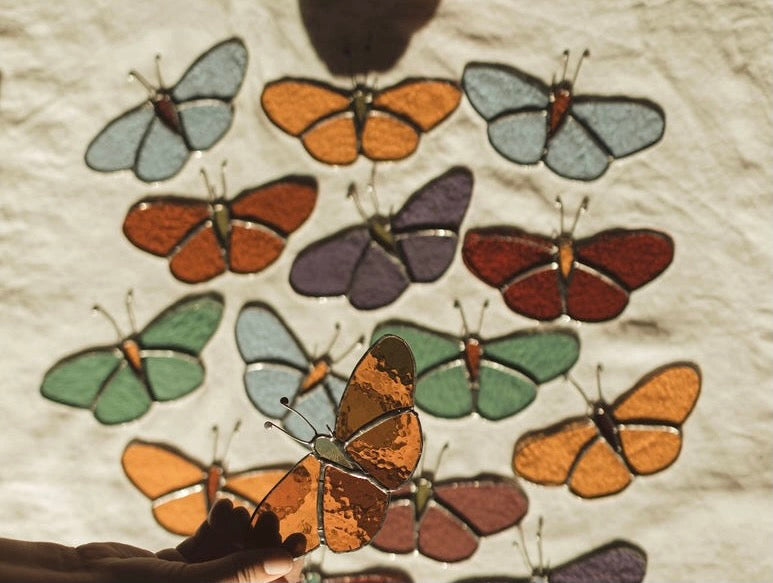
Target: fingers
x=254 y=565
x=222 y=533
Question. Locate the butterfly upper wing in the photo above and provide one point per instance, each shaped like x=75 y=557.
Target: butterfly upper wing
x=115 y=147
x=216 y=74
x=616 y=562
x=158 y=224
x=77 y=380
x=186 y=326
x=294 y=105
x=494 y=89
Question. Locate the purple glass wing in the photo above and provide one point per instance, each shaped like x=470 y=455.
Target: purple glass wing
x=617 y=562
x=427 y=256
x=441 y=203
x=325 y=268
x=378 y=280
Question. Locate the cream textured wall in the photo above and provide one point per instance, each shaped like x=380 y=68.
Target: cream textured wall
x=708 y=184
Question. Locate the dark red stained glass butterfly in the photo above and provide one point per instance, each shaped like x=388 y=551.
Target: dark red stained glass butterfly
x=204 y=238
x=588 y=279
x=445 y=520
x=315 y=575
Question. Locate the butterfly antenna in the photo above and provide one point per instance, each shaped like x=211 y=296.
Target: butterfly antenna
x=270 y=425
x=465 y=327
x=599 y=370
x=585 y=54
x=372 y=188
x=579 y=388
x=560 y=206
x=480 y=318
x=565 y=57
x=208 y=184
x=356 y=344
x=330 y=344
x=285 y=402
x=144 y=82
x=439 y=459
x=158 y=71
x=223 y=164
x=580 y=210
x=539 y=544
x=355 y=195
x=215 y=439
x=130 y=310
x=235 y=429
x=524 y=550
x=99 y=309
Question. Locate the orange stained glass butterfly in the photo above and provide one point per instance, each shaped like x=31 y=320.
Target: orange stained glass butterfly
x=338 y=494
x=599 y=454
x=182 y=491
x=336 y=125
x=204 y=238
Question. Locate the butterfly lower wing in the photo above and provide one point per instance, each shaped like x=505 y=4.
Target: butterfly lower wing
x=267 y=383
x=593 y=297
x=369 y=576
x=573 y=152
x=442 y=536
x=427 y=255
x=494 y=89
x=204 y=122
x=598 y=471
x=632 y=257
x=161 y=154
x=182 y=514
x=158 y=224
x=616 y=562
x=124 y=397
x=218 y=73
x=385 y=137
x=378 y=279
x=116 y=146
x=429 y=348
x=186 y=326
x=520 y=136
x=316 y=405
x=294 y=502
x=541 y=354
x=425 y=102
x=333 y=140
x=171 y=375
x=398 y=532
x=199 y=257
x=649 y=449
x=624 y=125
x=445 y=391
x=536 y=294
x=252 y=248
x=77 y=380
x=503 y=392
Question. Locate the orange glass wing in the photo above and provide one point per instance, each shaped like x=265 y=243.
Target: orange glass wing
x=390 y=450
x=294 y=502
x=382 y=382
x=353 y=509
x=650 y=449
x=333 y=141
x=385 y=137
x=284 y=204
x=296 y=104
x=157 y=470
x=599 y=471
x=252 y=249
x=426 y=102
x=184 y=514
x=667 y=394
x=199 y=259
x=254 y=485
x=547 y=456
x=157 y=225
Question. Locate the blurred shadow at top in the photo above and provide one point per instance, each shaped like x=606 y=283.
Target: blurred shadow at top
x=360 y=36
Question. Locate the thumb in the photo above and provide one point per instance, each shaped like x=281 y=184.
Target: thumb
x=252 y=565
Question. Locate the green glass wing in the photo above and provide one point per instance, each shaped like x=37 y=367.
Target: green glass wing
x=123 y=398
x=503 y=392
x=76 y=380
x=541 y=355
x=429 y=348
x=185 y=326
x=171 y=375
x=445 y=391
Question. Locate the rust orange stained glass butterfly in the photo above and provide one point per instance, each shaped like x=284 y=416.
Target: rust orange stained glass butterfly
x=544 y=277
x=204 y=238
x=336 y=125
x=599 y=454
x=338 y=494
x=182 y=490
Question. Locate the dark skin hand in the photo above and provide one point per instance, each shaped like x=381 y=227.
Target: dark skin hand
x=223 y=550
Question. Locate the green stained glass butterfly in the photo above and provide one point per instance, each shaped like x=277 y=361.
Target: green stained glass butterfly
x=496 y=377
x=160 y=363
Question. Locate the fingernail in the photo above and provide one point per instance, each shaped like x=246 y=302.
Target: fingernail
x=278 y=565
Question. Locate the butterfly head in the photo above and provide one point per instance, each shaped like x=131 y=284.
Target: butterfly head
x=565 y=240
x=600 y=413
x=473 y=348
x=126 y=343
x=160 y=98
x=561 y=94
x=219 y=210
x=379 y=226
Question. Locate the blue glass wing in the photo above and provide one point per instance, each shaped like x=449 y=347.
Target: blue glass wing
x=573 y=152
x=161 y=154
x=315 y=405
x=624 y=125
x=336 y=386
x=520 y=137
x=494 y=89
x=262 y=336
x=204 y=123
x=218 y=73
x=115 y=147
x=267 y=383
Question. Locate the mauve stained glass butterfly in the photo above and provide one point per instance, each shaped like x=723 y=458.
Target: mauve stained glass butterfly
x=338 y=494
x=373 y=264
x=576 y=136
x=155 y=139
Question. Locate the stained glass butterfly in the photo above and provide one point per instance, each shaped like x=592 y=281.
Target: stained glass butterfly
x=315 y=575
x=336 y=125
x=278 y=366
x=496 y=377
x=576 y=136
x=444 y=520
x=338 y=494
x=544 y=277
x=599 y=454
x=119 y=383
x=372 y=264
x=182 y=490
x=155 y=139
x=204 y=238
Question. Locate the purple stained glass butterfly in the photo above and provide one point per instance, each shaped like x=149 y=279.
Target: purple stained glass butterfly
x=616 y=562
x=372 y=264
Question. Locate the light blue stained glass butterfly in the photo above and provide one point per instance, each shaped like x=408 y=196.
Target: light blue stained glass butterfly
x=278 y=367
x=155 y=139
x=576 y=137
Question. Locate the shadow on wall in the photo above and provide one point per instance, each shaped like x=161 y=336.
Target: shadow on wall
x=354 y=37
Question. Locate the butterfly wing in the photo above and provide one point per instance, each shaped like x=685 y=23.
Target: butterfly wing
x=369 y=576
x=216 y=74
x=379 y=278
x=515 y=364
x=252 y=486
x=78 y=379
x=616 y=562
x=574 y=152
x=116 y=146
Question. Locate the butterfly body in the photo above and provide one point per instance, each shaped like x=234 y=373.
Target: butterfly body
x=599 y=455
x=336 y=125
x=203 y=239
x=155 y=139
x=372 y=264
x=589 y=279
x=576 y=137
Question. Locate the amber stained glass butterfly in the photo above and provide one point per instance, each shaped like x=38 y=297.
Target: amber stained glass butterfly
x=599 y=454
x=336 y=125
x=204 y=238
x=338 y=494
x=589 y=279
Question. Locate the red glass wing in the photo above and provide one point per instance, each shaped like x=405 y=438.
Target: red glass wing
x=497 y=255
